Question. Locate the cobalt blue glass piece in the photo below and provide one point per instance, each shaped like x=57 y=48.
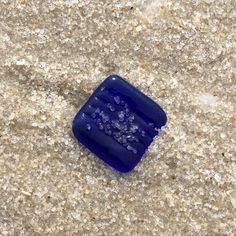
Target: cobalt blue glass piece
x=118 y=123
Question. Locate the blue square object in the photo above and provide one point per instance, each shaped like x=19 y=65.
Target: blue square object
x=118 y=123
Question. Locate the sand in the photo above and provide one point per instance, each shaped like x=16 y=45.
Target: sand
x=54 y=53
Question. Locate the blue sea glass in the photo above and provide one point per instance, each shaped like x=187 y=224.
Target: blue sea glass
x=118 y=123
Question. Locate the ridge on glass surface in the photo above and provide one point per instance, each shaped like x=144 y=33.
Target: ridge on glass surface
x=118 y=123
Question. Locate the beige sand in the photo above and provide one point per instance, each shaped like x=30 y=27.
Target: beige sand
x=54 y=53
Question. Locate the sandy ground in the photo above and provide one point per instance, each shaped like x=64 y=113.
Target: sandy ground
x=54 y=53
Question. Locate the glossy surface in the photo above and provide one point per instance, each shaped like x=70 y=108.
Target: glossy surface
x=118 y=123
